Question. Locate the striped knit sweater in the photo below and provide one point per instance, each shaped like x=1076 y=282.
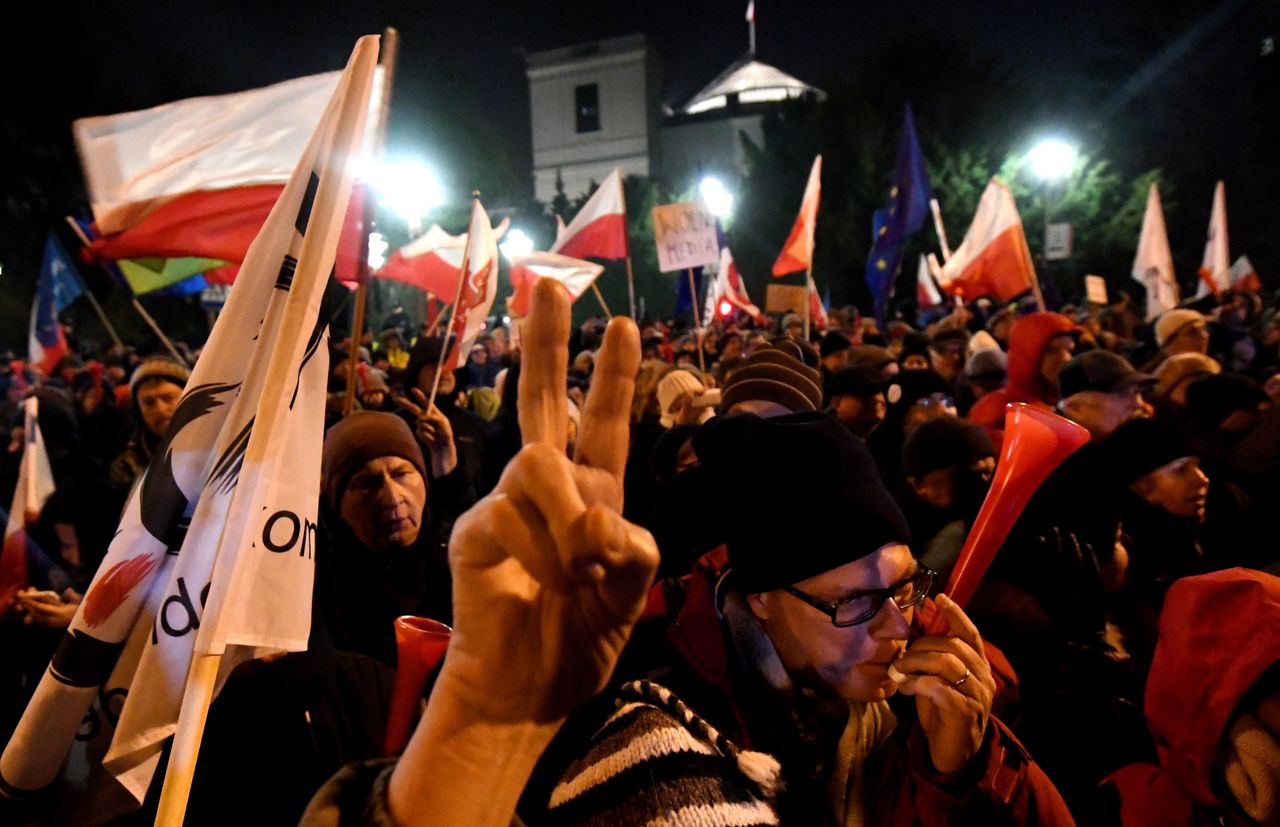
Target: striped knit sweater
x=655 y=762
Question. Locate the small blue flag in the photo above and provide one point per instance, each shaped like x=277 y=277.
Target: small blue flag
x=908 y=207
x=684 y=302
x=60 y=272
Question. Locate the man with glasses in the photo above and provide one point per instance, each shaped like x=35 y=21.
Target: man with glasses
x=813 y=640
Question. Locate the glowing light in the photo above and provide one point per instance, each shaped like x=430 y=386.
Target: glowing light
x=517 y=244
x=1052 y=158
x=408 y=188
x=377 y=251
x=725 y=307
x=718 y=199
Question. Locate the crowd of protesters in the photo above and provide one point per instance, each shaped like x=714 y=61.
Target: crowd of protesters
x=698 y=577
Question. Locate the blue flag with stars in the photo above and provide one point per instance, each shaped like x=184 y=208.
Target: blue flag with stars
x=908 y=207
x=60 y=273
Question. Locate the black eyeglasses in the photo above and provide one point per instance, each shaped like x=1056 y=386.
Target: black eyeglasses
x=859 y=607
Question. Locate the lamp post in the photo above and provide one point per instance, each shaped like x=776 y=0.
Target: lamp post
x=1052 y=159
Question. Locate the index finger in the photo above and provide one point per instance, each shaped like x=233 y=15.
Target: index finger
x=543 y=402
x=604 y=433
x=403 y=401
x=959 y=623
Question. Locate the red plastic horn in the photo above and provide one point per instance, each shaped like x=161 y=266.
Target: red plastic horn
x=420 y=646
x=1035 y=442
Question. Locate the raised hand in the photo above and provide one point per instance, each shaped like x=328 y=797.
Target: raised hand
x=432 y=429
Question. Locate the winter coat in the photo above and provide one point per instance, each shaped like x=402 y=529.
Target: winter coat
x=1027 y=341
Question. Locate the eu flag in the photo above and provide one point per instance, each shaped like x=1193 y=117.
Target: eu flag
x=58 y=271
x=906 y=212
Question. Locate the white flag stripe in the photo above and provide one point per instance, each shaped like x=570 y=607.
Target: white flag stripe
x=1153 y=262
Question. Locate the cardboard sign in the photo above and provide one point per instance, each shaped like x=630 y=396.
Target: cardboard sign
x=685 y=235
x=1057 y=241
x=785 y=298
x=1095 y=289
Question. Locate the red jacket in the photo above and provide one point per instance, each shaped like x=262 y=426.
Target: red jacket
x=1219 y=633
x=1027 y=340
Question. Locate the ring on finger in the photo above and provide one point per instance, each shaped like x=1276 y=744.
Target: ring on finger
x=960 y=682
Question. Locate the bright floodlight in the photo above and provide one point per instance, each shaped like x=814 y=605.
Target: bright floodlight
x=718 y=199
x=517 y=244
x=1052 y=159
x=408 y=188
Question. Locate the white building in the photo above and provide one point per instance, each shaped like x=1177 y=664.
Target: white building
x=597 y=106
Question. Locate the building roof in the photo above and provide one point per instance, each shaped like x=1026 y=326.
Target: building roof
x=753 y=82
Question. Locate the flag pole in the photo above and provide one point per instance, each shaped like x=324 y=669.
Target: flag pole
x=808 y=287
x=201 y=678
x=936 y=210
x=453 y=311
x=390 y=43
x=631 y=289
x=697 y=325
x=600 y=298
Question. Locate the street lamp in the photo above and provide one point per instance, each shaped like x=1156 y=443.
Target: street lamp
x=1052 y=159
x=517 y=244
x=718 y=199
x=410 y=189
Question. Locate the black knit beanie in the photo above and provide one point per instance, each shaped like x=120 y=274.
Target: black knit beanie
x=1140 y=446
x=826 y=505
x=360 y=437
x=944 y=442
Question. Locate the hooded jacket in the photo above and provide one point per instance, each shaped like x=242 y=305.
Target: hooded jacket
x=1027 y=342
x=1219 y=634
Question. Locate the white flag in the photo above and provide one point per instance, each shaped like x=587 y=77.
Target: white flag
x=1215 y=267
x=1153 y=263
x=35 y=487
x=241 y=462
x=479 y=285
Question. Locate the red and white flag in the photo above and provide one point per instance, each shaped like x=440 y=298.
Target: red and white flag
x=35 y=487
x=1153 y=263
x=817 y=311
x=198 y=177
x=599 y=230
x=1215 y=267
x=214 y=553
x=478 y=288
x=575 y=274
x=927 y=294
x=1244 y=278
x=993 y=259
x=730 y=287
x=797 y=253
x=432 y=261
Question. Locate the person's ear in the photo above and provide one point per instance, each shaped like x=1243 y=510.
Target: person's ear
x=918 y=486
x=760 y=605
x=1142 y=486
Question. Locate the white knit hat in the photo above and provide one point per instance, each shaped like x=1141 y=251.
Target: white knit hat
x=671 y=388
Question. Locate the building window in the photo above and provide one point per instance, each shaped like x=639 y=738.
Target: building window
x=586 y=102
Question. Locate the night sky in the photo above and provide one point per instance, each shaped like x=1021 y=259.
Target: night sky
x=1152 y=83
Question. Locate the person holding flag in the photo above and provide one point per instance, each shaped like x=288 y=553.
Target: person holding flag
x=908 y=207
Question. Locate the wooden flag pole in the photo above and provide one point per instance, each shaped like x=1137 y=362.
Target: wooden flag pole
x=808 y=285
x=390 y=43
x=453 y=312
x=201 y=678
x=697 y=325
x=600 y=298
x=631 y=289
x=936 y=210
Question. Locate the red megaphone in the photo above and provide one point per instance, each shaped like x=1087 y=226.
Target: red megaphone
x=1035 y=442
x=420 y=646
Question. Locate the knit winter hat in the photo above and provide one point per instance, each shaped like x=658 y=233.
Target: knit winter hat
x=1180 y=367
x=944 y=442
x=671 y=388
x=360 y=437
x=987 y=363
x=827 y=508
x=1140 y=446
x=772 y=374
x=1171 y=322
x=159 y=368
x=833 y=341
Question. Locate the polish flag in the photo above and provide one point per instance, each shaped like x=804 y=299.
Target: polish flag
x=575 y=274
x=35 y=487
x=730 y=287
x=1153 y=263
x=993 y=259
x=1215 y=268
x=599 y=230
x=797 y=253
x=198 y=177
x=480 y=286
x=927 y=294
x=817 y=313
x=432 y=261
x=1244 y=278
